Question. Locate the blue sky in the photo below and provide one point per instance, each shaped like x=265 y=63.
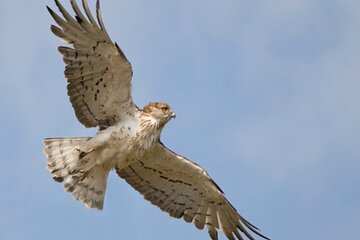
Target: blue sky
x=267 y=99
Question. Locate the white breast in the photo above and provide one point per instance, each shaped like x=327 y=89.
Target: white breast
x=126 y=141
x=115 y=143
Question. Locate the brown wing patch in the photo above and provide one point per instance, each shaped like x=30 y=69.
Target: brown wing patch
x=98 y=73
x=183 y=189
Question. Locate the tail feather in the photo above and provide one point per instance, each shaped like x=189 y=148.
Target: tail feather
x=85 y=180
x=89 y=188
x=63 y=156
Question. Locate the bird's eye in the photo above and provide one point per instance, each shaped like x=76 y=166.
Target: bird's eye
x=164 y=109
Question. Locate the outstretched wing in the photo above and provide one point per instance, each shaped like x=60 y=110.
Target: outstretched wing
x=98 y=73
x=183 y=189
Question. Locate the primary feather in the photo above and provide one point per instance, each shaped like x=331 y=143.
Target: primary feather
x=98 y=73
x=99 y=87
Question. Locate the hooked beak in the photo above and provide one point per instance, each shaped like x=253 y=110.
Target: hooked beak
x=173 y=115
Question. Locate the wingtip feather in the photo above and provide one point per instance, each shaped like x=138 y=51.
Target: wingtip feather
x=88 y=13
x=49 y=9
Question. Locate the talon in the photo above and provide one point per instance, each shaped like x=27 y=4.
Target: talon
x=83 y=154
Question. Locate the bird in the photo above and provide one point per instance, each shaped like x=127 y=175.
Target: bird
x=128 y=139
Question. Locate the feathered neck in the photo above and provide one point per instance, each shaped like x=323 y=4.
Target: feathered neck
x=149 y=132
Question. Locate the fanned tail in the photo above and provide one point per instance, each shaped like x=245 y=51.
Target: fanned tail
x=85 y=180
x=62 y=156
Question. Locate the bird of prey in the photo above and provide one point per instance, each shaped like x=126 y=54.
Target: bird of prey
x=99 y=87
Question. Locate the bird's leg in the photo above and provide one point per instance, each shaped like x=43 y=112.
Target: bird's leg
x=90 y=146
x=82 y=153
x=83 y=160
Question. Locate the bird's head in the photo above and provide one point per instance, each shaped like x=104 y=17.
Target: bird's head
x=161 y=112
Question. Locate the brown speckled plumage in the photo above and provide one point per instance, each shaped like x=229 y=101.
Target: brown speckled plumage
x=99 y=87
